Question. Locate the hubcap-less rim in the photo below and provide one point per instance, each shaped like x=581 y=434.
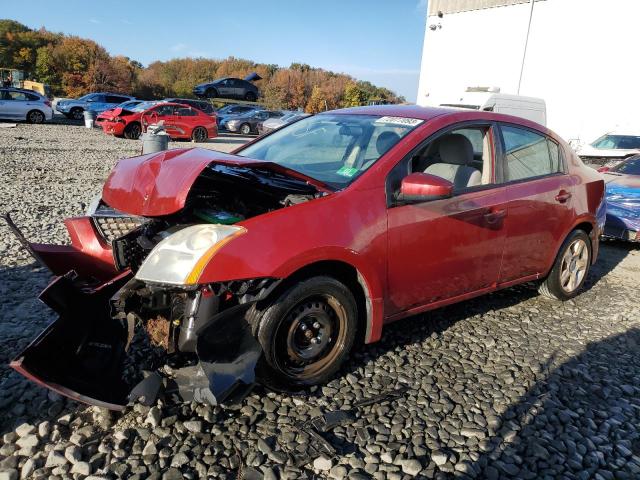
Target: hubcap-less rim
x=574 y=265
x=77 y=114
x=200 y=135
x=245 y=130
x=310 y=337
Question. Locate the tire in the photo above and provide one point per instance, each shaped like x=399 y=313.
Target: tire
x=132 y=131
x=306 y=333
x=35 y=116
x=211 y=93
x=199 y=135
x=250 y=97
x=77 y=113
x=245 y=129
x=570 y=268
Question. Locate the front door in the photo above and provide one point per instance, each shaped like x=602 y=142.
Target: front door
x=539 y=202
x=445 y=248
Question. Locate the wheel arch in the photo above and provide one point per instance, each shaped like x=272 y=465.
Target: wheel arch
x=44 y=116
x=369 y=310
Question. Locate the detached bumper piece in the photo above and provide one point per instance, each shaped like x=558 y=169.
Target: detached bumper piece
x=80 y=355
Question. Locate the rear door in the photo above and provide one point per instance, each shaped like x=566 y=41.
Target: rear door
x=539 y=203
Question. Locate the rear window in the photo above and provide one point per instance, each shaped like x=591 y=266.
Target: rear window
x=529 y=154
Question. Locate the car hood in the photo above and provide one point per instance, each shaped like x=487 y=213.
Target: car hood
x=158 y=184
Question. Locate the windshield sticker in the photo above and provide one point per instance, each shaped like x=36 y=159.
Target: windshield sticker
x=408 y=122
x=347 y=171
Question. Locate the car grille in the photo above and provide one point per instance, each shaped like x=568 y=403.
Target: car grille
x=113 y=227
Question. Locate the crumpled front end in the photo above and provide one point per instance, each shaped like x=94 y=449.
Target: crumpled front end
x=120 y=340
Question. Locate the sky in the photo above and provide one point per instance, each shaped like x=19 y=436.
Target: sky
x=375 y=40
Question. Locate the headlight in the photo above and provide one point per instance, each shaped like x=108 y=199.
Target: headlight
x=180 y=258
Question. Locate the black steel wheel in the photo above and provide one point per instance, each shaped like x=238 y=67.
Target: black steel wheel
x=250 y=97
x=199 y=135
x=35 y=116
x=211 y=93
x=306 y=333
x=77 y=113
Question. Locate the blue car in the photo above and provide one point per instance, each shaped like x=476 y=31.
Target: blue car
x=99 y=102
x=623 y=199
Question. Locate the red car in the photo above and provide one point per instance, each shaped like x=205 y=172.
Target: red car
x=180 y=121
x=275 y=260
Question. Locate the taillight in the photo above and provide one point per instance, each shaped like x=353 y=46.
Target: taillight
x=47 y=103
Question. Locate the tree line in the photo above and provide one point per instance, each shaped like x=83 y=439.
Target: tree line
x=73 y=66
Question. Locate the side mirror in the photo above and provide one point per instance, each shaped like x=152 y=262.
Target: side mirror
x=604 y=169
x=422 y=187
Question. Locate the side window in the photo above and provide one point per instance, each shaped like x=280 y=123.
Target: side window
x=462 y=156
x=116 y=99
x=18 y=96
x=98 y=98
x=185 y=112
x=528 y=154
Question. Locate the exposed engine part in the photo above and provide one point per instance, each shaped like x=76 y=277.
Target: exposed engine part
x=158 y=330
x=290 y=200
x=112 y=224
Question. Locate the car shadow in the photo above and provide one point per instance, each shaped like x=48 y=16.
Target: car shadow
x=612 y=252
x=581 y=417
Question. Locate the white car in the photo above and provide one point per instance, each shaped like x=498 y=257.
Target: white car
x=24 y=105
x=613 y=145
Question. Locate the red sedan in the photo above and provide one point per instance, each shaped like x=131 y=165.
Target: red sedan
x=273 y=261
x=180 y=121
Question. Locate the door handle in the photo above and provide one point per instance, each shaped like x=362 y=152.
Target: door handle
x=494 y=216
x=563 y=196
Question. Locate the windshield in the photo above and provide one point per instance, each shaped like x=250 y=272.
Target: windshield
x=141 y=107
x=617 y=142
x=628 y=167
x=332 y=148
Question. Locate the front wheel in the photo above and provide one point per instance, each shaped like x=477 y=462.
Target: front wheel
x=133 y=131
x=245 y=129
x=570 y=268
x=250 y=97
x=211 y=93
x=77 y=113
x=199 y=135
x=306 y=333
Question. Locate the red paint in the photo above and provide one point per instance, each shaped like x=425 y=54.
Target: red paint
x=410 y=258
x=177 y=126
x=425 y=185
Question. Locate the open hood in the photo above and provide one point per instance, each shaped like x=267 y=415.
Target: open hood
x=158 y=184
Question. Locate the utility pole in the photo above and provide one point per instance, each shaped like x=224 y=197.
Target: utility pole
x=526 y=42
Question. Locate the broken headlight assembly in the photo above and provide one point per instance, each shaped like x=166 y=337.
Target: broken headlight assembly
x=180 y=258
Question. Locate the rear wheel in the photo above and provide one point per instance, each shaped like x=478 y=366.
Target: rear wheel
x=133 y=131
x=35 y=116
x=211 y=93
x=77 y=113
x=245 y=129
x=199 y=135
x=570 y=269
x=250 y=97
x=306 y=333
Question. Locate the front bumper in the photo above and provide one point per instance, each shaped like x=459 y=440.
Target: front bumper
x=112 y=128
x=86 y=352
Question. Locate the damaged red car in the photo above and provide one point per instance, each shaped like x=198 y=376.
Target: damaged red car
x=269 y=264
x=180 y=121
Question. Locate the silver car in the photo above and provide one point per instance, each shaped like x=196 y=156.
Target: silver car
x=24 y=105
x=100 y=101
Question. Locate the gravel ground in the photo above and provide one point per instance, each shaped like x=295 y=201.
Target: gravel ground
x=505 y=386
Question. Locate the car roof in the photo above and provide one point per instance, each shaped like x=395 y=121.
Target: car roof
x=24 y=90
x=429 y=113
